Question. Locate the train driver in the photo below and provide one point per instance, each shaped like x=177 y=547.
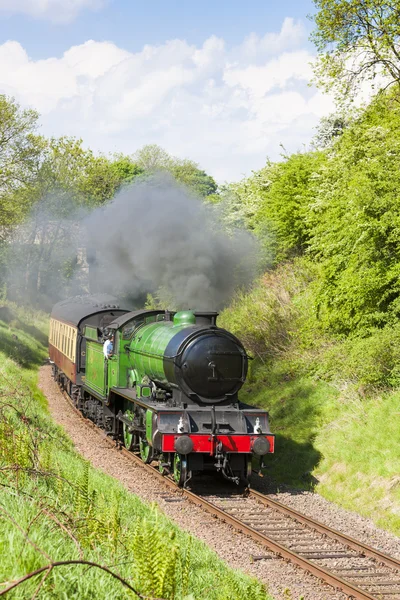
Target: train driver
x=108 y=346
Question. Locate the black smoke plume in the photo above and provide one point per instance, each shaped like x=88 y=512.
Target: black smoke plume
x=153 y=237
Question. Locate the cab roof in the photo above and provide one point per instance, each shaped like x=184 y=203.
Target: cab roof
x=76 y=309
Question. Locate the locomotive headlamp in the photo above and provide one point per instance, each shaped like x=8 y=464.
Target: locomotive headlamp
x=184 y=445
x=261 y=446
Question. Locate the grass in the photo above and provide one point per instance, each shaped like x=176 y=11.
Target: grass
x=23 y=336
x=297 y=407
x=54 y=506
x=363 y=472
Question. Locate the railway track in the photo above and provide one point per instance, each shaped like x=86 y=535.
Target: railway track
x=358 y=570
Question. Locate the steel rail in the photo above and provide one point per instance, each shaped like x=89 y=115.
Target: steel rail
x=333 y=534
x=320 y=572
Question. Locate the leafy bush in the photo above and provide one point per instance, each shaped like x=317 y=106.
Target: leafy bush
x=282 y=212
x=278 y=321
x=355 y=224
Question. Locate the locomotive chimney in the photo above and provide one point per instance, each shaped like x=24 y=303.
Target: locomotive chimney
x=206 y=318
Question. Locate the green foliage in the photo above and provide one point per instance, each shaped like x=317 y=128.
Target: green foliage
x=360 y=452
x=356 y=41
x=355 y=223
x=274 y=202
x=369 y=363
x=83 y=497
x=278 y=320
x=283 y=209
x=156 y=559
x=339 y=207
x=125 y=169
x=152 y=158
x=47 y=187
x=188 y=173
x=104 y=177
x=334 y=431
x=75 y=177
x=263 y=317
x=330 y=128
x=20 y=154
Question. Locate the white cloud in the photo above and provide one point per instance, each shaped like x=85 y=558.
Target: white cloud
x=227 y=108
x=55 y=10
x=291 y=35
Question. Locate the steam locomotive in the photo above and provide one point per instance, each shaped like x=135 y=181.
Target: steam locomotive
x=168 y=391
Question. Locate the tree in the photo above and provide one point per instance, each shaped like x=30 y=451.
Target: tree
x=20 y=147
x=103 y=177
x=21 y=151
x=43 y=252
x=281 y=217
x=188 y=173
x=329 y=129
x=153 y=158
x=355 y=225
x=68 y=170
x=125 y=169
x=357 y=40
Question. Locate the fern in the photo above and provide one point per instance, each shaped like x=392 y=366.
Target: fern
x=185 y=567
x=82 y=490
x=114 y=523
x=156 y=559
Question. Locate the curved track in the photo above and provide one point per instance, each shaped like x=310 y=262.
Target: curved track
x=358 y=570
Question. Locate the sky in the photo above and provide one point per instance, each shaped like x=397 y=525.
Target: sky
x=223 y=82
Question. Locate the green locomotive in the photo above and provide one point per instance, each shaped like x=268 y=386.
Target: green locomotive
x=169 y=389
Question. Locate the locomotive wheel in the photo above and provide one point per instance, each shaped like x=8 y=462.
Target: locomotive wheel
x=249 y=469
x=161 y=461
x=180 y=469
x=129 y=438
x=145 y=450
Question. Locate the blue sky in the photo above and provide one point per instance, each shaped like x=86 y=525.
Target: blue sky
x=133 y=24
x=221 y=82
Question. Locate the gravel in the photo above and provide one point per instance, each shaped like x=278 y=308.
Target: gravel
x=284 y=581
x=328 y=513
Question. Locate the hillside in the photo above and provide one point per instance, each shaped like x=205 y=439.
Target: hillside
x=335 y=435
x=323 y=323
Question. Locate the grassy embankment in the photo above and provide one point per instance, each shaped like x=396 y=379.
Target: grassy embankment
x=336 y=430
x=55 y=507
